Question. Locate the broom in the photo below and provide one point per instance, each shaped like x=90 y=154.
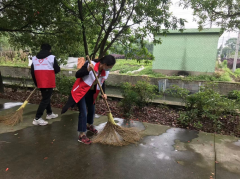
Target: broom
x=15 y=117
x=113 y=134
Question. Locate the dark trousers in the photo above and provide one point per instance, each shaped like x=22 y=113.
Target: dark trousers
x=86 y=111
x=45 y=102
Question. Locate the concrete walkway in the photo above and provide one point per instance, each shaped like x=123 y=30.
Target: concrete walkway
x=52 y=151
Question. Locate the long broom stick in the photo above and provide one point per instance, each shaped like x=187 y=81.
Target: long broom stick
x=16 y=117
x=112 y=133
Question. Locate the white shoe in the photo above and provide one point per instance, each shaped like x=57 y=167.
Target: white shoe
x=40 y=122
x=52 y=116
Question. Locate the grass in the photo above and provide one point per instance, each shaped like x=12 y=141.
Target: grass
x=124 y=65
x=16 y=63
x=148 y=71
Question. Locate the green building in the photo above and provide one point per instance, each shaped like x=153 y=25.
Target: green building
x=191 y=52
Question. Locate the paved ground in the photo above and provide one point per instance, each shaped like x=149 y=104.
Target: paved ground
x=53 y=152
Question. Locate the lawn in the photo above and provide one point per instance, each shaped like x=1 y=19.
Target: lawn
x=16 y=63
x=123 y=66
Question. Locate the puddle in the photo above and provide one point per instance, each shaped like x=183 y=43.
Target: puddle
x=123 y=123
x=9 y=105
x=237 y=143
x=152 y=158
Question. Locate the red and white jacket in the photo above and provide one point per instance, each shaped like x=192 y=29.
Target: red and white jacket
x=44 y=72
x=82 y=85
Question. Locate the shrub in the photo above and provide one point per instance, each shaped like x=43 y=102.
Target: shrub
x=207 y=105
x=129 y=98
x=137 y=95
x=145 y=91
x=178 y=92
x=235 y=94
x=64 y=84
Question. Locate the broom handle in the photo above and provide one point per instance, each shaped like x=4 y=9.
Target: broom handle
x=99 y=84
x=31 y=94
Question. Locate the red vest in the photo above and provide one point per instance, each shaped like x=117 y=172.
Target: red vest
x=82 y=85
x=44 y=72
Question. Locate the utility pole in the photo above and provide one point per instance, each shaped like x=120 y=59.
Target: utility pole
x=222 y=46
x=236 y=52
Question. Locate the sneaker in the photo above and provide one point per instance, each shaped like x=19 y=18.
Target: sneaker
x=91 y=129
x=40 y=122
x=52 y=116
x=84 y=140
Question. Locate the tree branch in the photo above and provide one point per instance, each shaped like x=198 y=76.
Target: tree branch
x=83 y=27
x=72 y=12
x=125 y=27
x=228 y=15
x=93 y=15
x=96 y=48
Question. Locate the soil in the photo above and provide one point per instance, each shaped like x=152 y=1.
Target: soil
x=156 y=114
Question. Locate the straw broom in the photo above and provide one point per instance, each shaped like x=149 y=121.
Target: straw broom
x=113 y=134
x=16 y=117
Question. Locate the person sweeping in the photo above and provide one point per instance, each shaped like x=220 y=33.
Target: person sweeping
x=85 y=91
x=43 y=69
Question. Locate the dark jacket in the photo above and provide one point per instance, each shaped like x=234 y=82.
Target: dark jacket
x=79 y=74
x=83 y=72
x=41 y=55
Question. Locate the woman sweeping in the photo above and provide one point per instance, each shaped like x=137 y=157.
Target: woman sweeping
x=85 y=91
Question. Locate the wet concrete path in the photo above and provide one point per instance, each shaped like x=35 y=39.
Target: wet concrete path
x=52 y=151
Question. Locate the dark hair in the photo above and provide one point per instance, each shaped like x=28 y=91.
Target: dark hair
x=46 y=47
x=109 y=60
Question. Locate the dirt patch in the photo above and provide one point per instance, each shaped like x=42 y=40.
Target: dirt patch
x=155 y=114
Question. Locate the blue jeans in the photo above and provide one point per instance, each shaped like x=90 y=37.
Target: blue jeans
x=86 y=111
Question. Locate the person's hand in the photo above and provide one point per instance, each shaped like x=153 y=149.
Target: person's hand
x=90 y=67
x=104 y=96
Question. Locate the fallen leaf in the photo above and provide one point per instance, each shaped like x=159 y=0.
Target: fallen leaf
x=7 y=169
x=53 y=139
x=45 y=158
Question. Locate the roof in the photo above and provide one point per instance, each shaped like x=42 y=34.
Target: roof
x=195 y=31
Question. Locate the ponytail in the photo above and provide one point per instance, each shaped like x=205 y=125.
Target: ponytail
x=109 y=60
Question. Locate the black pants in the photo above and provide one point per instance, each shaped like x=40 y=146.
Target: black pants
x=45 y=102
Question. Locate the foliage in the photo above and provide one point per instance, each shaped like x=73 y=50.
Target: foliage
x=207 y=105
x=139 y=50
x=223 y=13
x=235 y=94
x=137 y=95
x=146 y=92
x=177 y=92
x=231 y=43
x=94 y=24
x=129 y=98
x=14 y=58
x=64 y=84
x=4 y=45
x=28 y=25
